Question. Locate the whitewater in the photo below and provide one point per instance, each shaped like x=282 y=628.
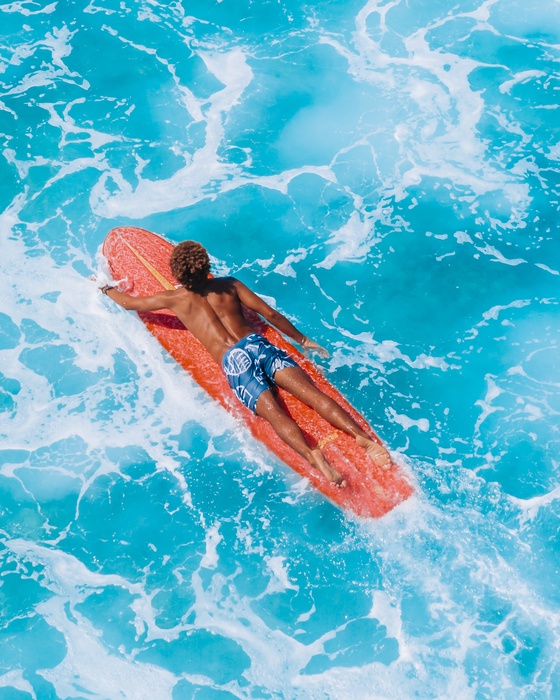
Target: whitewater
x=387 y=174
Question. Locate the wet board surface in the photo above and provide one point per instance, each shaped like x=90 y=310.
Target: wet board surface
x=142 y=258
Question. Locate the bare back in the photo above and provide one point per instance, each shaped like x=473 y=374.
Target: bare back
x=213 y=315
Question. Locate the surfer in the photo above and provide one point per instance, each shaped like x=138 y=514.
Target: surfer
x=211 y=308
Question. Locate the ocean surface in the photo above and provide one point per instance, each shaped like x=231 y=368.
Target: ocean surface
x=389 y=174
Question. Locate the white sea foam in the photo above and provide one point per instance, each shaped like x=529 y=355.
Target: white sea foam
x=451 y=557
x=531 y=507
x=285 y=268
x=496 y=256
x=495 y=311
x=213 y=539
x=86 y=656
x=191 y=103
x=492 y=392
x=442 y=137
x=40 y=421
x=187 y=185
x=353 y=241
x=281 y=181
x=59 y=44
x=280 y=582
x=378 y=354
x=23 y=7
x=521 y=77
x=544 y=267
x=423 y=424
x=66 y=574
x=15 y=679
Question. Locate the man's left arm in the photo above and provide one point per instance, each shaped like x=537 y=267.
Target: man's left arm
x=156 y=302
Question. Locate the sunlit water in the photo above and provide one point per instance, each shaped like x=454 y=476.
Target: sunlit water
x=388 y=173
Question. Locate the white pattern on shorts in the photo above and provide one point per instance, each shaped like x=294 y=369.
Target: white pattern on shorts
x=237 y=362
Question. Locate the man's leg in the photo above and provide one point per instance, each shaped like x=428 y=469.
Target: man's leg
x=294 y=380
x=287 y=429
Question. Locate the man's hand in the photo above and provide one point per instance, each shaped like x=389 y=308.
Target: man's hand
x=312 y=346
x=105 y=288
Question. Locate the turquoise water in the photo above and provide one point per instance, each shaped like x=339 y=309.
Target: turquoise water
x=388 y=173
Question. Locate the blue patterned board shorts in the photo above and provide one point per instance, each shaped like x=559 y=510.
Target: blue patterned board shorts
x=250 y=366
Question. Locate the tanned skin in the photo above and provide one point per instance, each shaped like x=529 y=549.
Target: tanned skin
x=214 y=315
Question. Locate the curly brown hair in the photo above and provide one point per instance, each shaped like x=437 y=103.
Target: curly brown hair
x=190 y=264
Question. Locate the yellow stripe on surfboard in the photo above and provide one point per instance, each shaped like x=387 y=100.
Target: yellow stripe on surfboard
x=160 y=278
x=327 y=439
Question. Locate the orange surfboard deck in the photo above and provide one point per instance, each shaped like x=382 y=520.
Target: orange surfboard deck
x=142 y=258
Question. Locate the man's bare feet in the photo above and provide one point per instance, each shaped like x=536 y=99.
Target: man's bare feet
x=376 y=452
x=332 y=474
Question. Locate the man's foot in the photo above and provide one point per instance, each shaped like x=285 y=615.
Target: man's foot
x=376 y=452
x=332 y=474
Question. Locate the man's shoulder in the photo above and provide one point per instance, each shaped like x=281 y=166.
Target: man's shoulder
x=177 y=295
x=223 y=283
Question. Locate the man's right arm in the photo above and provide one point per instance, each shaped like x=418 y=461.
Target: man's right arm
x=278 y=320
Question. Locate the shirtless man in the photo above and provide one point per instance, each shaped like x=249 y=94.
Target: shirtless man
x=211 y=310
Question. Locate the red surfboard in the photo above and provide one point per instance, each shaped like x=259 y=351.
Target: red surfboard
x=142 y=259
